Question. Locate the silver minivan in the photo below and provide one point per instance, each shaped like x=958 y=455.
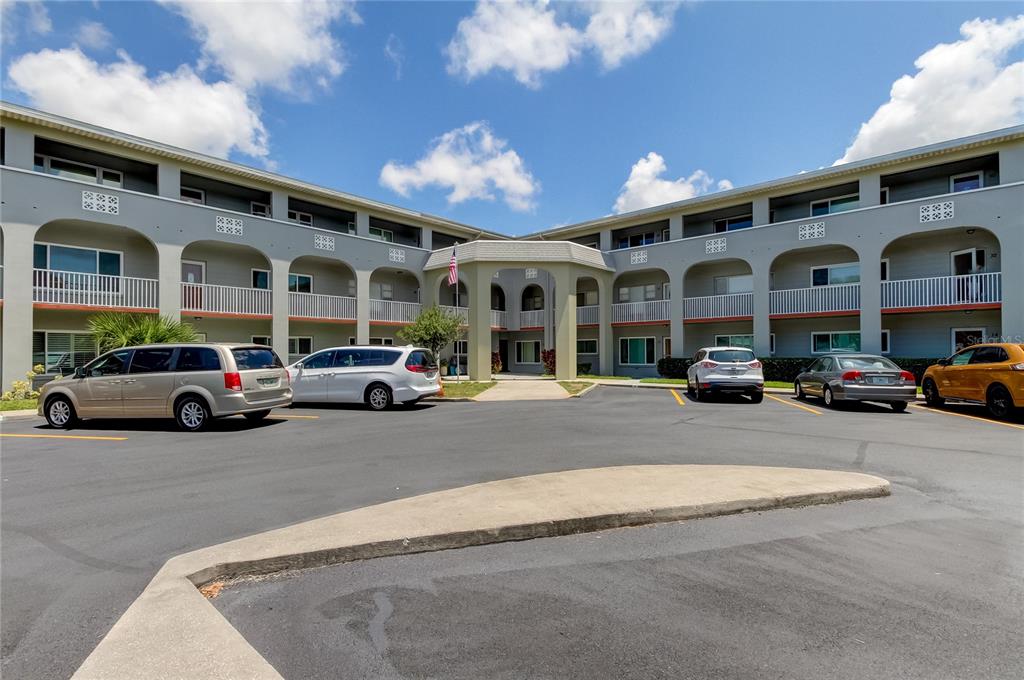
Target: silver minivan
x=190 y=382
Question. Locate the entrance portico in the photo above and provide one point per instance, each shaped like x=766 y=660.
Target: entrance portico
x=565 y=261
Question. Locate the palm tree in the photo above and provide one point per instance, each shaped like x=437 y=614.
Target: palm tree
x=115 y=329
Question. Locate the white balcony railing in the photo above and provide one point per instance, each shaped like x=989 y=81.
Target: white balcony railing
x=533 y=318
x=843 y=297
x=396 y=312
x=719 y=306
x=942 y=291
x=214 y=299
x=587 y=315
x=462 y=312
x=638 y=312
x=318 y=306
x=499 y=318
x=93 y=290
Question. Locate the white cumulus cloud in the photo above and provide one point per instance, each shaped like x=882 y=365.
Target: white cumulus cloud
x=960 y=88
x=646 y=187
x=94 y=35
x=177 y=108
x=32 y=15
x=286 y=44
x=528 y=37
x=470 y=162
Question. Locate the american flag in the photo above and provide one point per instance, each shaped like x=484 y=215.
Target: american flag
x=453 y=270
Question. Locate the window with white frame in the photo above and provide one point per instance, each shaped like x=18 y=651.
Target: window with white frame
x=382 y=234
x=586 y=346
x=259 y=209
x=61 y=352
x=835 y=274
x=375 y=341
x=636 y=351
x=666 y=291
x=735 y=341
x=192 y=195
x=261 y=279
x=666 y=346
x=300 y=344
x=739 y=283
x=460 y=347
x=828 y=206
x=351 y=288
x=644 y=239
x=883 y=196
x=638 y=293
x=382 y=291
x=300 y=283
x=589 y=298
x=823 y=342
x=966 y=181
x=73 y=259
x=300 y=217
x=260 y=340
x=733 y=223
x=83 y=172
x=527 y=351
x=666 y=235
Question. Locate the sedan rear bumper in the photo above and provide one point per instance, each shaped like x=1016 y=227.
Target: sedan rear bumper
x=874 y=392
x=733 y=386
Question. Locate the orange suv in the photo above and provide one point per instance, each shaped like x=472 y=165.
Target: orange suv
x=990 y=374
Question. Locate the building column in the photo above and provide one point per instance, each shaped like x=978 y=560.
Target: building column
x=478 y=285
x=427 y=238
x=676 y=327
x=761 y=274
x=19 y=150
x=565 y=322
x=1011 y=250
x=279 y=205
x=869 y=193
x=17 y=307
x=762 y=211
x=675 y=227
x=362 y=223
x=169 y=279
x=604 y=241
x=605 y=337
x=362 y=307
x=168 y=180
x=870 y=301
x=279 y=307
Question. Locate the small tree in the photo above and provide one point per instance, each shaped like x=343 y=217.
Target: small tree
x=547 y=357
x=434 y=328
x=115 y=329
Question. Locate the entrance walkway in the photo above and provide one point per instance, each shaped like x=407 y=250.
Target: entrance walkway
x=521 y=390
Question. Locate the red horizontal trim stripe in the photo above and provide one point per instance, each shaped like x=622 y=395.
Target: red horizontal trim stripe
x=809 y=315
x=942 y=308
x=718 y=319
x=641 y=323
x=224 y=315
x=93 y=308
x=320 y=319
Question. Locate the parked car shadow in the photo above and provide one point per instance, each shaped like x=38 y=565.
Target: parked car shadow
x=228 y=424
x=333 y=406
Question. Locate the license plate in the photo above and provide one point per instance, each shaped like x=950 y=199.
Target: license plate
x=267 y=382
x=878 y=381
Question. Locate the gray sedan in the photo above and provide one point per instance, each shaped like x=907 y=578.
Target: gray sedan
x=856 y=377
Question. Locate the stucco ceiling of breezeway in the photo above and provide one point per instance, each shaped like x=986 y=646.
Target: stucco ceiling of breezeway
x=520 y=253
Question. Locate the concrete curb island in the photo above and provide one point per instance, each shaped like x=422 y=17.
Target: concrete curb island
x=172 y=631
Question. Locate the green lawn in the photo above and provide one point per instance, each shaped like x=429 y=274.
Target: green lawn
x=17 y=404
x=465 y=389
x=682 y=381
x=574 y=387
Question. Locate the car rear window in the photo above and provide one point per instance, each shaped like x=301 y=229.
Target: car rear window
x=421 y=357
x=867 y=362
x=731 y=355
x=198 y=359
x=252 y=358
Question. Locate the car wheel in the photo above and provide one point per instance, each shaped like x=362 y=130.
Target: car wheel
x=192 y=414
x=999 y=402
x=699 y=394
x=256 y=416
x=931 y=393
x=799 y=389
x=378 y=397
x=757 y=397
x=690 y=392
x=898 y=406
x=60 y=413
x=827 y=397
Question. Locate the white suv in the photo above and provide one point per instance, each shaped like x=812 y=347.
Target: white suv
x=733 y=370
x=373 y=374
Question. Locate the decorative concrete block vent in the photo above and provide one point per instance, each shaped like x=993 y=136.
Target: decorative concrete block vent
x=639 y=257
x=812 y=230
x=935 y=212
x=531 y=273
x=101 y=203
x=714 y=245
x=396 y=255
x=232 y=226
x=323 y=242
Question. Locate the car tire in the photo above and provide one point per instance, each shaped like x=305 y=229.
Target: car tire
x=690 y=392
x=757 y=397
x=699 y=394
x=256 y=416
x=828 y=397
x=898 y=406
x=931 y=393
x=60 y=413
x=378 y=397
x=799 y=389
x=191 y=413
x=999 y=402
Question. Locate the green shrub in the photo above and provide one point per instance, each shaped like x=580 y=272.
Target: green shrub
x=673 y=367
x=22 y=389
x=496 y=365
x=583 y=369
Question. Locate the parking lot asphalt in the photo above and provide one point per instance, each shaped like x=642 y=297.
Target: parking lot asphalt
x=87 y=522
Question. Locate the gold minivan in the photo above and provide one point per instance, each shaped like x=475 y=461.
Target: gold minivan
x=190 y=382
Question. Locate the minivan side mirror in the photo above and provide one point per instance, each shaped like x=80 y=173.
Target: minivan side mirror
x=79 y=372
x=298 y=366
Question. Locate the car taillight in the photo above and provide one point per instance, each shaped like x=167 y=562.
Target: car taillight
x=1017 y=367
x=853 y=376
x=754 y=364
x=709 y=364
x=233 y=381
x=907 y=377
x=416 y=368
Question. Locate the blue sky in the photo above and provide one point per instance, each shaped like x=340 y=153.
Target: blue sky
x=720 y=91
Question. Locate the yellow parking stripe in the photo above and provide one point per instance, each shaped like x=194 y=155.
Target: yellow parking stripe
x=282 y=415
x=794 y=405
x=964 y=415
x=679 y=400
x=64 y=436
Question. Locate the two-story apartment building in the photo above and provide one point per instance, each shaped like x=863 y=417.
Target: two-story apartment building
x=910 y=254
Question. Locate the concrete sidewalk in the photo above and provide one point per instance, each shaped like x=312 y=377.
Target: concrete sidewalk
x=172 y=631
x=523 y=390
